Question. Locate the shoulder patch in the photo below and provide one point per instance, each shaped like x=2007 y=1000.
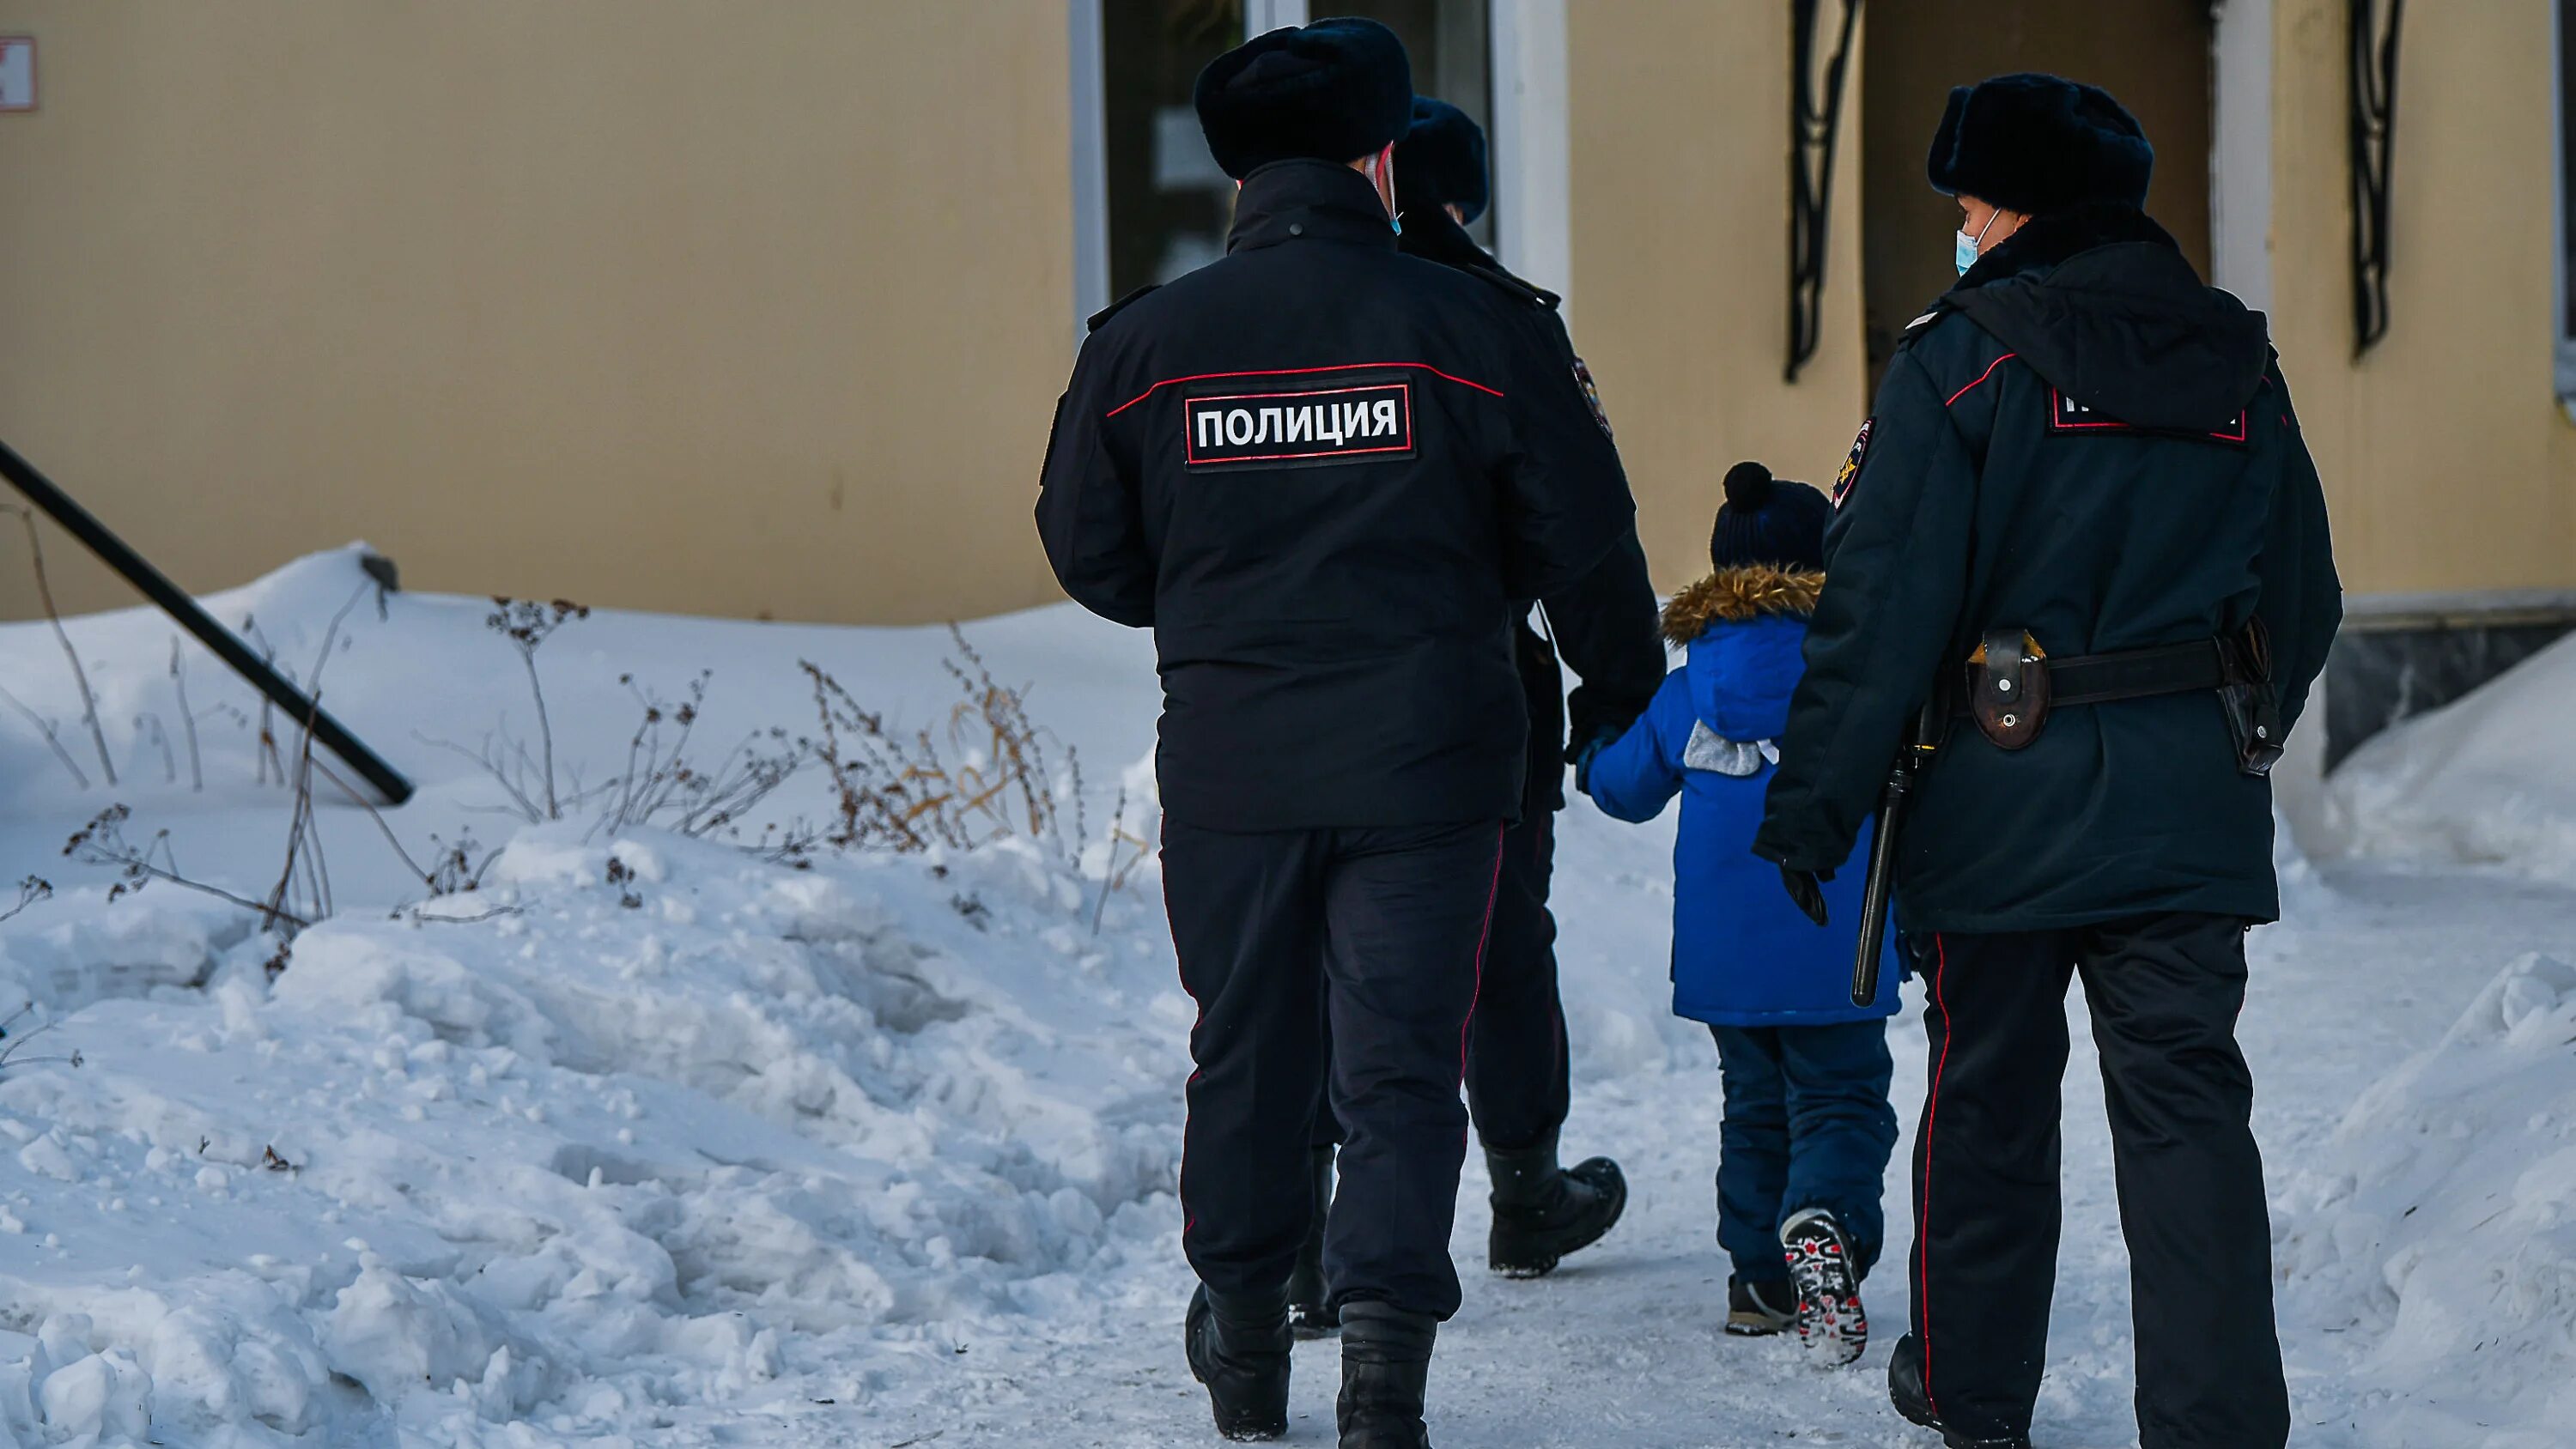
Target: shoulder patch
x=1121 y=305
x=1850 y=473
x=1592 y=396
x=1520 y=290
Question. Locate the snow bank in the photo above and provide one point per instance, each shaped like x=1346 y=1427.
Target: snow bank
x=591 y=1147
x=646 y=1138
x=2440 y=1224
x=2489 y=778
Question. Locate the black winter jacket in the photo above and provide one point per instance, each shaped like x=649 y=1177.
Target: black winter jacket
x=1605 y=623
x=1322 y=472
x=2084 y=442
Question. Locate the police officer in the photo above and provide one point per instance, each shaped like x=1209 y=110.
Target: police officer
x=1322 y=472
x=2082 y=526
x=1518 y=1087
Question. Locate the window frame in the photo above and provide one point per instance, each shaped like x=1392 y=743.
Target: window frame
x=1526 y=41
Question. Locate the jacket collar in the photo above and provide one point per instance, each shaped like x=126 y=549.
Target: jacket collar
x=1308 y=201
x=1734 y=595
x=2055 y=236
x=2100 y=302
x=1433 y=237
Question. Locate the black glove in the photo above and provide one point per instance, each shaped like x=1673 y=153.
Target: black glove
x=1583 y=758
x=1805 y=889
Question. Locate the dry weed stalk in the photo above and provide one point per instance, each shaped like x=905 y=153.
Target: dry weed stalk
x=13 y=1049
x=910 y=793
x=53 y=616
x=30 y=891
x=662 y=786
x=102 y=842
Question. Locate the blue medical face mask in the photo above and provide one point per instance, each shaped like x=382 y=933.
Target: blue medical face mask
x=1965 y=253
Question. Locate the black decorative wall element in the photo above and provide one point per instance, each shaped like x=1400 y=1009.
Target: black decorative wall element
x=2376 y=677
x=2372 y=113
x=1813 y=124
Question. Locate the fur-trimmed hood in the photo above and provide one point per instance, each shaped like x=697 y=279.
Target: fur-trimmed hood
x=1737 y=594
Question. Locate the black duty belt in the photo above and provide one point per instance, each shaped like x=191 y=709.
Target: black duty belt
x=2010 y=683
x=2139 y=673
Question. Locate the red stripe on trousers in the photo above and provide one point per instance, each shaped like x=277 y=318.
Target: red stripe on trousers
x=1493 y=892
x=1931 y=1117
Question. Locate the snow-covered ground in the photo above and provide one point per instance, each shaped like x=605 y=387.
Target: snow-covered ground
x=2486 y=779
x=654 y=1141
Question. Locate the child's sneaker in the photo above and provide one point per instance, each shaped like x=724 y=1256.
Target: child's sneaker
x=1831 y=1326
x=1758 y=1310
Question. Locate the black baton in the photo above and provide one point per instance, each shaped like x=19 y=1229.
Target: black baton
x=1882 y=873
x=1929 y=728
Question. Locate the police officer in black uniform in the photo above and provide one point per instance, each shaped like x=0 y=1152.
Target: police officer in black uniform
x=1323 y=473
x=2082 y=528
x=1518 y=1082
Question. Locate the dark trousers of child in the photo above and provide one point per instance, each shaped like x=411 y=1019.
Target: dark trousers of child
x=2163 y=991
x=1807 y=1125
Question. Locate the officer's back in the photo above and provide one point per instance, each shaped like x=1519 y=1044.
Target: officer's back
x=2082 y=527
x=1347 y=462
x=2086 y=444
x=1322 y=472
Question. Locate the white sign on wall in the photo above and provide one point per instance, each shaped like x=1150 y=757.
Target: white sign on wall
x=17 y=72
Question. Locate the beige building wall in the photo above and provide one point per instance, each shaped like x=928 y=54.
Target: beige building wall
x=2447 y=460
x=740 y=309
x=1680 y=148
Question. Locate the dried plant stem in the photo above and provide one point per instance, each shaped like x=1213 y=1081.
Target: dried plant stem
x=53 y=616
x=359 y=798
x=53 y=740
x=545 y=733
x=187 y=721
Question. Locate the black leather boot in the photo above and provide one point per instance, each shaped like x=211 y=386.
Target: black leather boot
x=1386 y=1364
x=1309 y=1314
x=1239 y=1349
x=1905 y=1391
x=1543 y=1212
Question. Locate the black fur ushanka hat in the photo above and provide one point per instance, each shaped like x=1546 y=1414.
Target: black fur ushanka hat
x=1335 y=90
x=2037 y=143
x=1441 y=161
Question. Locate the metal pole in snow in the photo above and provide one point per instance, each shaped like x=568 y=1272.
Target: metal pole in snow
x=77 y=521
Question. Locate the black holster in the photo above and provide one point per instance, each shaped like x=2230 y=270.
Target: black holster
x=2252 y=702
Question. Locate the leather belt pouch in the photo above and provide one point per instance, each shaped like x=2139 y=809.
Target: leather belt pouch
x=2252 y=705
x=2008 y=689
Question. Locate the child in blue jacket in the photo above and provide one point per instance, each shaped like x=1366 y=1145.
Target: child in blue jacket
x=1804 y=1147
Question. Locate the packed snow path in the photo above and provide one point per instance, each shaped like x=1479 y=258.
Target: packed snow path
x=1621 y=1347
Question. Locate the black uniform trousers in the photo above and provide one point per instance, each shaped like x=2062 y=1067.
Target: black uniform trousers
x=2164 y=991
x=1519 y=1083
x=1380 y=932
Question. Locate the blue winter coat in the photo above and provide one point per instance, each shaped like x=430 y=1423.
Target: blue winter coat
x=1742 y=953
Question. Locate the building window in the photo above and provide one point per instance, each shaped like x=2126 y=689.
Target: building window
x=1169 y=204
x=1150 y=190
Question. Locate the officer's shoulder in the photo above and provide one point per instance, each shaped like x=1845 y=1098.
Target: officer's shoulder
x=1521 y=293
x=1101 y=317
x=1921 y=328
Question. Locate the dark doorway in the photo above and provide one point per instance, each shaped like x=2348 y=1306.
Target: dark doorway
x=2155 y=55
